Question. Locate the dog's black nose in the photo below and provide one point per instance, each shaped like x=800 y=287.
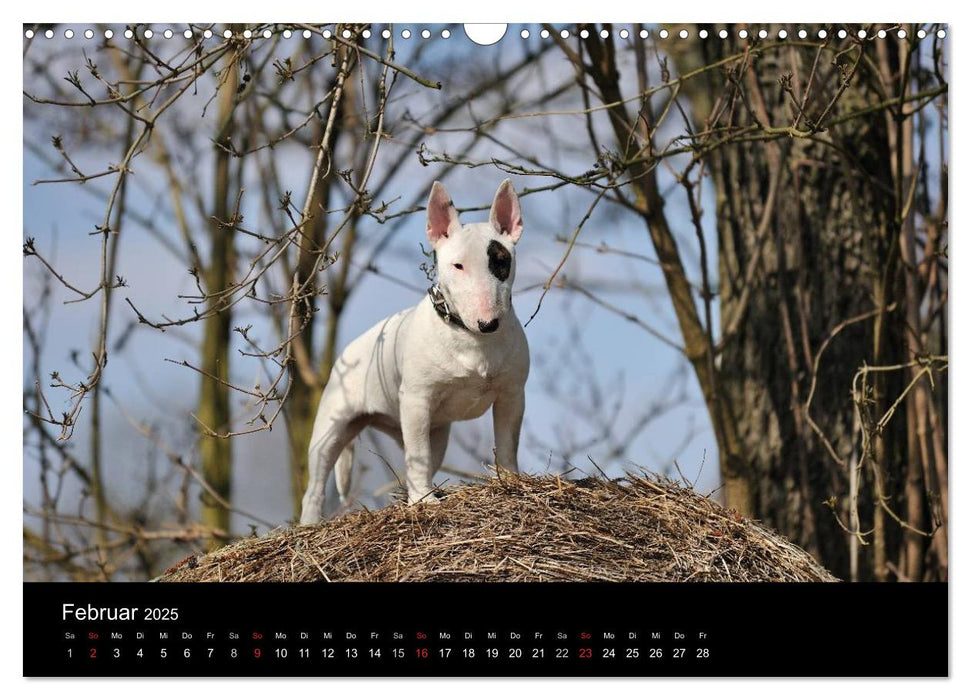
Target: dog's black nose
x=490 y=326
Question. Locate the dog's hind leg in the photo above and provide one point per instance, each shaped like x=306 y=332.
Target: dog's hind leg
x=323 y=455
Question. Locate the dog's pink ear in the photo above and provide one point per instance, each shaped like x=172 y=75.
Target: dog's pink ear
x=442 y=217
x=505 y=216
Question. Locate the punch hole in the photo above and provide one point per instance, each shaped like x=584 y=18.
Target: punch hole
x=267 y=33
x=841 y=33
x=326 y=34
x=881 y=34
x=663 y=33
x=743 y=34
x=603 y=33
x=129 y=33
x=207 y=34
x=723 y=34
x=148 y=34
x=584 y=34
x=366 y=33
x=546 y=33
x=524 y=34
x=861 y=34
x=167 y=33
x=287 y=34
x=446 y=33
x=624 y=33
x=644 y=33
x=901 y=34
x=109 y=33
x=29 y=34
x=703 y=33
x=425 y=34
x=68 y=33
x=405 y=33
x=803 y=33
x=385 y=33
x=783 y=33
x=346 y=34
x=941 y=34
x=485 y=34
x=822 y=33
x=247 y=34
x=564 y=33
x=49 y=34
x=683 y=34
x=921 y=33
x=306 y=33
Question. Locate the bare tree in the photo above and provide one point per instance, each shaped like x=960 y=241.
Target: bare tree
x=239 y=95
x=210 y=127
x=830 y=237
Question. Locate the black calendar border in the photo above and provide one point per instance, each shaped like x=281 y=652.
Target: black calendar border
x=752 y=630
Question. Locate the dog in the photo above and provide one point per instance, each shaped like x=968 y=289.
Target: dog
x=459 y=351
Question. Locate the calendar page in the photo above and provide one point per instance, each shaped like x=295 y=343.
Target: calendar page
x=380 y=349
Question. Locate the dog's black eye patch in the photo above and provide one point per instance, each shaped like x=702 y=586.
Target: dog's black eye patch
x=500 y=260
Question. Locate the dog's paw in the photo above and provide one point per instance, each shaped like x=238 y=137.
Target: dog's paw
x=433 y=496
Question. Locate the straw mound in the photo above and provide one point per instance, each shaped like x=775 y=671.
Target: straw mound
x=522 y=528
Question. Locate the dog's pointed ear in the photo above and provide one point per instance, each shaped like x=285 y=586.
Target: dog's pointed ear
x=506 y=216
x=442 y=217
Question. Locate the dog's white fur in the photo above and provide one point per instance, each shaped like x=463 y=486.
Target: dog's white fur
x=414 y=374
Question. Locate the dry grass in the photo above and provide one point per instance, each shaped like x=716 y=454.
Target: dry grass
x=522 y=528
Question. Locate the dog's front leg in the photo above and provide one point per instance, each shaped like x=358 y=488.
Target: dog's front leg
x=507 y=420
x=416 y=434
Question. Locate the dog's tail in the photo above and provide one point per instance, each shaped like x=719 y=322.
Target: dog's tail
x=342 y=473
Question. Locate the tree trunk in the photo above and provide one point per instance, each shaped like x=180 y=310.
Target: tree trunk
x=737 y=482
x=214 y=404
x=309 y=378
x=812 y=166
x=828 y=254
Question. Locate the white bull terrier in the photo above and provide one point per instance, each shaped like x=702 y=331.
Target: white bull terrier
x=451 y=357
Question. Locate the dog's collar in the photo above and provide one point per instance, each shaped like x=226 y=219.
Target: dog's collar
x=442 y=308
